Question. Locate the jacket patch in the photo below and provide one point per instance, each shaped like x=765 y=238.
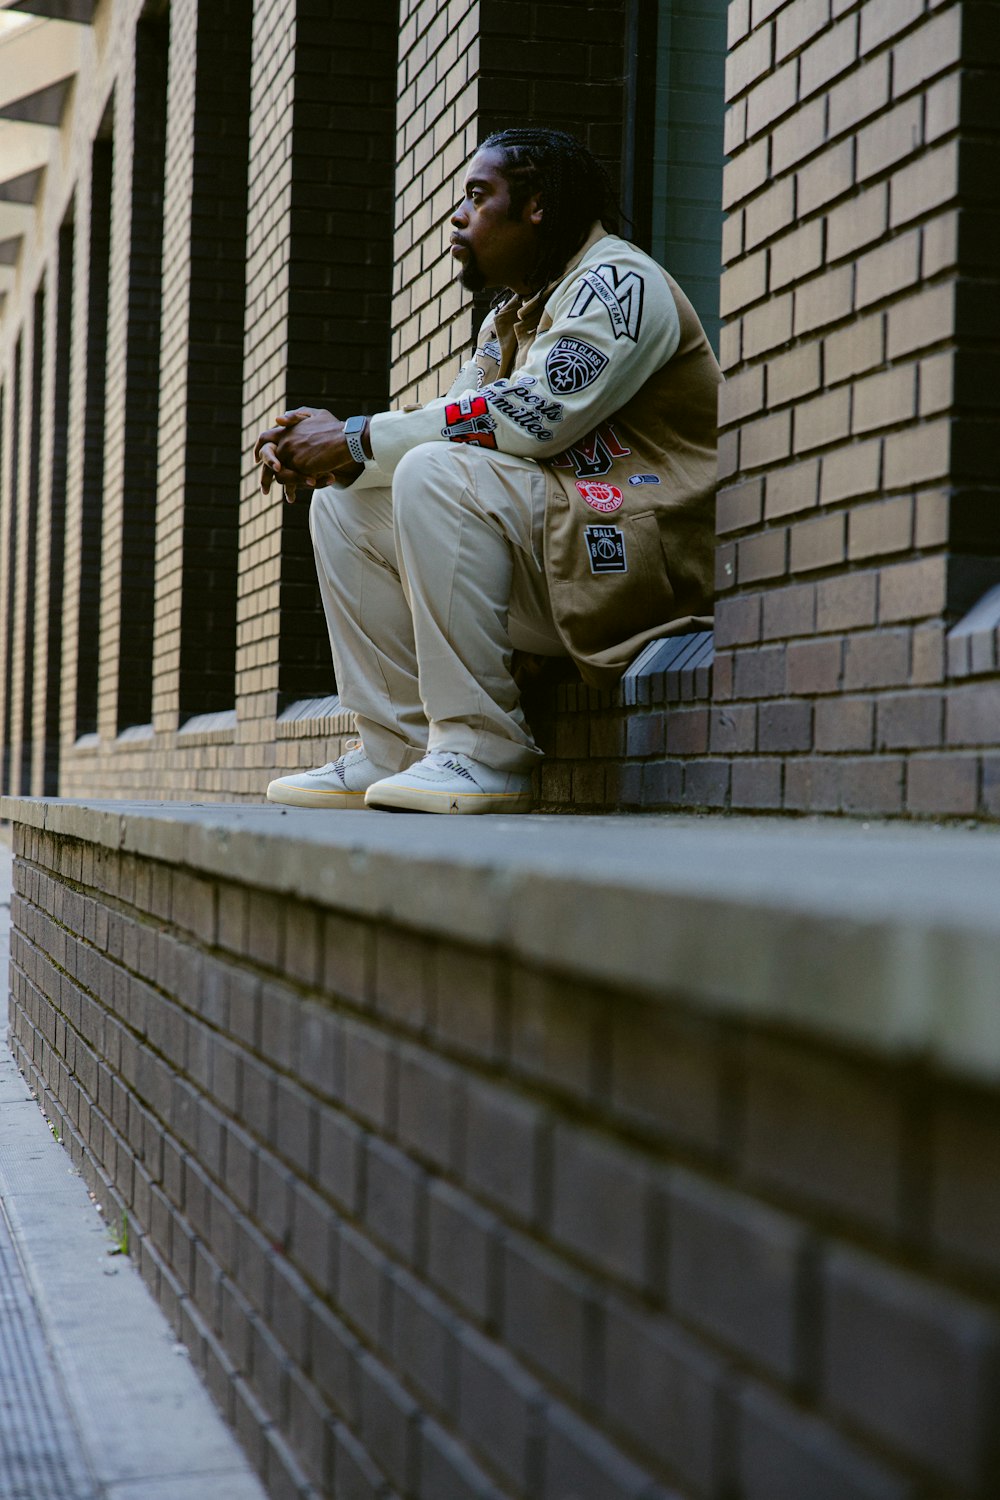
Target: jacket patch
x=602 y=497
x=593 y=455
x=572 y=365
x=644 y=479
x=468 y=421
x=606 y=548
x=528 y=408
x=490 y=350
x=621 y=295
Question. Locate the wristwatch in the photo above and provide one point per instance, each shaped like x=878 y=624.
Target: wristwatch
x=353 y=428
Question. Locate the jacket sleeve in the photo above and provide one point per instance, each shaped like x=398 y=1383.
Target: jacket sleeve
x=613 y=324
x=468 y=380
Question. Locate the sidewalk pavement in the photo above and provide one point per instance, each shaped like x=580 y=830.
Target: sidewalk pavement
x=97 y=1399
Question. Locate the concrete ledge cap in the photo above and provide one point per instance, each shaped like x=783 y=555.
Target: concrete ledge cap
x=884 y=937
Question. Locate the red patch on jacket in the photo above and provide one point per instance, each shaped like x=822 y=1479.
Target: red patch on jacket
x=467 y=420
x=602 y=497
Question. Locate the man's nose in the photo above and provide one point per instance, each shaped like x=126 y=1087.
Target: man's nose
x=459 y=216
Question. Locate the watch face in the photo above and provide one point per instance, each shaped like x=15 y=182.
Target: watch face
x=354 y=424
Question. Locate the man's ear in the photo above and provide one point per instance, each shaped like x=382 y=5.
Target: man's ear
x=533 y=210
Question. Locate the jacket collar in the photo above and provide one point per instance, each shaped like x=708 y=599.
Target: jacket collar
x=516 y=321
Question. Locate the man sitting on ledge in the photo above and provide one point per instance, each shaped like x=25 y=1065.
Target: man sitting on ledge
x=558 y=500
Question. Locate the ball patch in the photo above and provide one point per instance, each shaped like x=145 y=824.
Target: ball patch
x=602 y=497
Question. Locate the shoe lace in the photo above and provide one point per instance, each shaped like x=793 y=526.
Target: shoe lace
x=447 y=760
x=354 y=752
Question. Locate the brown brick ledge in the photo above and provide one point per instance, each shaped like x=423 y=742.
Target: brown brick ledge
x=886 y=937
x=634 y=1159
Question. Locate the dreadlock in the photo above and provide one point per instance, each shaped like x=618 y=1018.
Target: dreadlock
x=574 y=186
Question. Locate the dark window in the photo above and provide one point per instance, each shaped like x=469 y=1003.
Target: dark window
x=215 y=358
x=675 y=141
x=340 y=271
x=92 y=509
x=142 y=376
x=30 y=596
x=11 y=564
x=57 y=507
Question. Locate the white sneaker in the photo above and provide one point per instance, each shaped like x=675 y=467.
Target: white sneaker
x=341 y=783
x=446 y=781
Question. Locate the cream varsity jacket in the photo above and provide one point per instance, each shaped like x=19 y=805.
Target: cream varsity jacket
x=608 y=382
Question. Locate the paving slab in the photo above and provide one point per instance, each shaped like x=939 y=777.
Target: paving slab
x=98 y=1401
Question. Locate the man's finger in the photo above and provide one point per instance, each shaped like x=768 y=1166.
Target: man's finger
x=268 y=478
x=269 y=435
x=272 y=469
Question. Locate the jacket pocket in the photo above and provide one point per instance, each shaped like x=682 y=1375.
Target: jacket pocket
x=618 y=585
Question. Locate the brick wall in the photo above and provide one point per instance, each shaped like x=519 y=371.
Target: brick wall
x=852 y=456
x=436 y=129
x=434 y=1220
x=857 y=517
x=201 y=365
x=465 y=71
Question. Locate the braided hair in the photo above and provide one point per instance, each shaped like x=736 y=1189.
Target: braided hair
x=574 y=186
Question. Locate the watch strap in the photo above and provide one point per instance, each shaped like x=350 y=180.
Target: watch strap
x=353 y=428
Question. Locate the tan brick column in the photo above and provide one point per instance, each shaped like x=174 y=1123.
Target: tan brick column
x=200 y=432
x=272 y=91
x=844 y=447
x=465 y=70
x=172 y=447
x=129 y=502
x=85 y=445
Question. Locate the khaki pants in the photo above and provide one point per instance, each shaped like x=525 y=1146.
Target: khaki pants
x=426 y=588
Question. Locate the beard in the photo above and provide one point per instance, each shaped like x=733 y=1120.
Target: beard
x=470 y=276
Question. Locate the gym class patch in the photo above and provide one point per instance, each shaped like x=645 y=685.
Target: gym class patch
x=571 y=365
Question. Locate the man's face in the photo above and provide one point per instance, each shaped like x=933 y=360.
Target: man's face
x=493 y=249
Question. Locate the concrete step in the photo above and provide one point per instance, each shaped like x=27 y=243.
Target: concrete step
x=520 y=1155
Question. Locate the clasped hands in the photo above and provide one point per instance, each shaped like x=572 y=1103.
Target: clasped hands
x=305 y=448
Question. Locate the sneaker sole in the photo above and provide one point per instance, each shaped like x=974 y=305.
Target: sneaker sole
x=292 y=796
x=413 y=799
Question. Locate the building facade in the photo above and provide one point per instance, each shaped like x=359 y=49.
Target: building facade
x=209 y=213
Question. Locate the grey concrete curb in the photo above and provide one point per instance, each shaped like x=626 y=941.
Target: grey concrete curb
x=882 y=937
